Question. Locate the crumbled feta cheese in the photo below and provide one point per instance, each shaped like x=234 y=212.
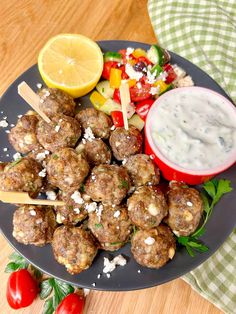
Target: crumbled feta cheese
x=7 y=131
x=113 y=205
x=7 y=155
x=32 y=212
x=19 y=116
x=5 y=149
x=151 y=78
x=149 y=240
x=116 y=214
x=5 y=118
x=132 y=73
x=152 y=157
x=39 y=85
x=16 y=156
x=131 y=190
x=76 y=197
x=3 y=124
x=57 y=128
x=99 y=210
x=93 y=177
x=113 y=128
x=42 y=173
x=77 y=210
x=190 y=204
x=139 y=271
x=129 y=51
x=86 y=292
x=179 y=72
x=109 y=266
x=185 y=82
x=91 y=207
x=88 y=134
x=94 y=284
x=51 y=195
x=41 y=156
x=46 y=93
x=41 y=101
x=108 y=275
x=12 y=125
x=124 y=161
x=39 y=221
x=98 y=276
x=60 y=120
x=154 y=90
x=162 y=76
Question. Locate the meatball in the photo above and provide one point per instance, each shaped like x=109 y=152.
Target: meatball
x=147 y=207
x=66 y=169
x=153 y=248
x=75 y=209
x=112 y=227
x=185 y=209
x=96 y=152
x=73 y=247
x=125 y=143
x=22 y=175
x=63 y=131
x=108 y=184
x=34 y=224
x=54 y=101
x=98 y=121
x=142 y=170
x=23 y=136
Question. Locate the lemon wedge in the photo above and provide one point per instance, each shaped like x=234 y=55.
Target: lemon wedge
x=71 y=62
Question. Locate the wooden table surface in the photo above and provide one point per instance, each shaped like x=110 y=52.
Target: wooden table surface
x=25 y=25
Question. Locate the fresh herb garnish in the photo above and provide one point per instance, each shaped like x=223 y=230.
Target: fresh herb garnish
x=134 y=229
x=55 y=156
x=212 y=192
x=115 y=243
x=12 y=164
x=98 y=225
x=82 y=188
x=124 y=184
x=103 y=89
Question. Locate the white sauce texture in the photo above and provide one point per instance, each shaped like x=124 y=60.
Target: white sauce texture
x=195 y=129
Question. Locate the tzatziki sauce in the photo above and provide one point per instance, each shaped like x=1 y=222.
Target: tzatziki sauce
x=194 y=128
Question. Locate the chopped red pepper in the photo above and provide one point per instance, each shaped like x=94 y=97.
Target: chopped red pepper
x=117 y=118
x=124 y=75
x=171 y=73
x=107 y=69
x=139 y=94
x=116 y=96
x=144 y=59
x=142 y=107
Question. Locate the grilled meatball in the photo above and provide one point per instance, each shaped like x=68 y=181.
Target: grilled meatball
x=75 y=209
x=153 y=248
x=34 y=224
x=54 y=101
x=63 y=131
x=111 y=228
x=142 y=170
x=23 y=136
x=185 y=209
x=98 y=121
x=73 y=247
x=125 y=143
x=108 y=184
x=96 y=152
x=22 y=175
x=147 y=207
x=66 y=169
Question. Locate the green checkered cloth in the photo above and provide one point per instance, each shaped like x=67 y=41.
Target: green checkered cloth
x=204 y=32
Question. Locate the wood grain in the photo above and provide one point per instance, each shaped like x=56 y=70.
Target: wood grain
x=25 y=25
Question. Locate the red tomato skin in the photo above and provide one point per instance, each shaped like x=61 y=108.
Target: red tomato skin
x=144 y=59
x=107 y=69
x=71 y=304
x=117 y=118
x=116 y=96
x=124 y=57
x=171 y=73
x=22 y=289
x=143 y=107
x=124 y=75
x=139 y=94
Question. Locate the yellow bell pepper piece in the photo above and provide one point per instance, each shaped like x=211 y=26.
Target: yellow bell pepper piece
x=115 y=78
x=97 y=100
x=131 y=82
x=162 y=86
x=139 y=53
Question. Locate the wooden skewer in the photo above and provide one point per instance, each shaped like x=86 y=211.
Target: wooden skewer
x=125 y=101
x=32 y=99
x=24 y=198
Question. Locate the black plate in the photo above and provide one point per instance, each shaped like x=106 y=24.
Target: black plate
x=219 y=227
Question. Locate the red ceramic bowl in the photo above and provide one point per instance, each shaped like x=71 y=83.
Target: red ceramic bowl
x=169 y=169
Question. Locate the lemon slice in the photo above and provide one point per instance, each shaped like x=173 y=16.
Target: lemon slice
x=71 y=62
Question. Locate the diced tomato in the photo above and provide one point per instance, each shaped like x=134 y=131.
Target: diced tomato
x=171 y=73
x=124 y=56
x=144 y=59
x=116 y=96
x=117 y=118
x=143 y=107
x=107 y=69
x=124 y=75
x=139 y=94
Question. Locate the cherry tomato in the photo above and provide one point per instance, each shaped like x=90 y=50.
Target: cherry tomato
x=117 y=118
x=143 y=107
x=171 y=73
x=107 y=69
x=144 y=59
x=22 y=289
x=71 y=304
x=139 y=94
x=116 y=96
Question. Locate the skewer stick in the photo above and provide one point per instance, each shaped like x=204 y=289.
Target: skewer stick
x=24 y=198
x=125 y=101
x=32 y=99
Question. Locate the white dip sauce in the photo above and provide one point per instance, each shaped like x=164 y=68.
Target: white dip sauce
x=194 y=129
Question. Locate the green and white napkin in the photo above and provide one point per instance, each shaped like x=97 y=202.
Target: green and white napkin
x=204 y=32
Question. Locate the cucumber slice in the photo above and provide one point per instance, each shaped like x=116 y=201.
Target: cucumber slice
x=157 y=69
x=112 y=56
x=137 y=122
x=105 y=89
x=156 y=55
x=109 y=106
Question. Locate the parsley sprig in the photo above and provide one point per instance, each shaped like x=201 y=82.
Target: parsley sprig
x=212 y=192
